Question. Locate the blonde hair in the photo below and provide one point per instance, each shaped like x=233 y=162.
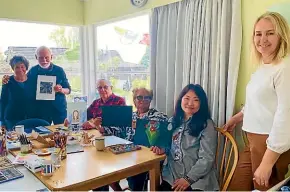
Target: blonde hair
x=281 y=28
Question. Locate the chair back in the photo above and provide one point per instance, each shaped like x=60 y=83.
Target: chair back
x=30 y=124
x=226 y=157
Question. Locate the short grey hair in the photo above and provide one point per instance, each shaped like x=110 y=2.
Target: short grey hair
x=106 y=81
x=135 y=90
x=42 y=48
x=18 y=59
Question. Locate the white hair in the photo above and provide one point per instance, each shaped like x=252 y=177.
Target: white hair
x=42 y=48
x=106 y=81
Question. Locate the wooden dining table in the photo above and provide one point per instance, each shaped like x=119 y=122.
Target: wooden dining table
x=92 y=169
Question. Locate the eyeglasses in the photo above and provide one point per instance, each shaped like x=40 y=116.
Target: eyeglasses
x=143 y=98
x=104 y=87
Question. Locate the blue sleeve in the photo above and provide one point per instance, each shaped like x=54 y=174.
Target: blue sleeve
x=64 y=81
x=4 y=101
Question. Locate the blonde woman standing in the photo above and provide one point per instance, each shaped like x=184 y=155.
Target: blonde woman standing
x=266 y=115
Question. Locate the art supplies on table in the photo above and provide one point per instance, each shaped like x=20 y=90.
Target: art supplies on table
x=21 y=158
x=113 y=140
x=60 y=140
x=42 y=130
x=7 y=171
x=77 y=148
x=13 y=145
x=24 y=140
x=3 y=146
x=152 y=133
x=43 y=152
x=118 y=116
x=123 y=148
x=33 y=164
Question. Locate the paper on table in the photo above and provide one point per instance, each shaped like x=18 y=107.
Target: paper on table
x=113 y=140
x=45 y=87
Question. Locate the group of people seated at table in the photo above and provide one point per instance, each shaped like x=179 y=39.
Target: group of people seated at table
x=190 y=163
x=190 y=154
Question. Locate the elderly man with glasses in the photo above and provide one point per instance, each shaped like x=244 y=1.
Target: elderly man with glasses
x=107 y=98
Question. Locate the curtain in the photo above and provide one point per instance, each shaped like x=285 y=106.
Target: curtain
x=196 y=41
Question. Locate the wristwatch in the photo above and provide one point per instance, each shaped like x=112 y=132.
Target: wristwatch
x=189 y=180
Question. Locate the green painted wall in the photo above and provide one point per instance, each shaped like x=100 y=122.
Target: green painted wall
x=103 y=10
x=70 y=12
x=251 y=10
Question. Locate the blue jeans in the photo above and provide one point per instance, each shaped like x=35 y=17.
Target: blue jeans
x=138 y=182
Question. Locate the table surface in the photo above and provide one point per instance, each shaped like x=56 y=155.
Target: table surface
x=91 y=168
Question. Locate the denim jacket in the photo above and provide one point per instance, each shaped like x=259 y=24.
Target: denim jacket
x=193 y=157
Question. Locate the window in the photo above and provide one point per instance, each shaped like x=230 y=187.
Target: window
x=20 y=38
x=123 y=50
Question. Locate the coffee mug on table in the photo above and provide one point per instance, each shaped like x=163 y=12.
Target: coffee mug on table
x=19 y=129
x=99 y=143
x=47 y=168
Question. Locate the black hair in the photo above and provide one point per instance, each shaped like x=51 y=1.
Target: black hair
x=17 y=59
x=198 y=121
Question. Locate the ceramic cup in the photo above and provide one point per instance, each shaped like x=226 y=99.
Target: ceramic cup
x=99 y=143
x=19 y=129
x=47 y=168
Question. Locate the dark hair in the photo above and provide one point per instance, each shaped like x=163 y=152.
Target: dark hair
x=17 y=59
x=199 y=120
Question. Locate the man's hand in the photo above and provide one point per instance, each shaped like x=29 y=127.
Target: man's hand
x=88 y=125
x=97 y=121
x=180 y=185
x=58 y=88
x=66 y=122
x=101 y=129
x=5 y=79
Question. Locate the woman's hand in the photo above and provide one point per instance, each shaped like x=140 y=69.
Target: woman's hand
x=262 y=175
x=5 y=79
x=230 y=125
x=180 y=185
x=157 y=150
x=134 y=124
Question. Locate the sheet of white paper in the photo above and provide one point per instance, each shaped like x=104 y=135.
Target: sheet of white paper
x=113 y=140
x=45 y=87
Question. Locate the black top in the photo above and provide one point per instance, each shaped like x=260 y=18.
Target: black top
x=18 y=100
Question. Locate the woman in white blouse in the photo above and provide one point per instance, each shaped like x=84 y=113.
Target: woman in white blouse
x=266 y=115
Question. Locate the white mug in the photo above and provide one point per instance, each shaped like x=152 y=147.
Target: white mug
x=47 y=168
x=19 y=129
x=99 y=143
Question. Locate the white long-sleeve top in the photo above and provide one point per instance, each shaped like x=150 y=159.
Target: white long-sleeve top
x=267 y=106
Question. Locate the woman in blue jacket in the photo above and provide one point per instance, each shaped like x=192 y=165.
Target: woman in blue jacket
x=190 y=163
x=17 y=97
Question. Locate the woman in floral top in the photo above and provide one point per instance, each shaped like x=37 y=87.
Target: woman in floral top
x=142 y=98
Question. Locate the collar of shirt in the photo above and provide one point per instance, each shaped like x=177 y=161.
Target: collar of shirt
x=111 y=97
